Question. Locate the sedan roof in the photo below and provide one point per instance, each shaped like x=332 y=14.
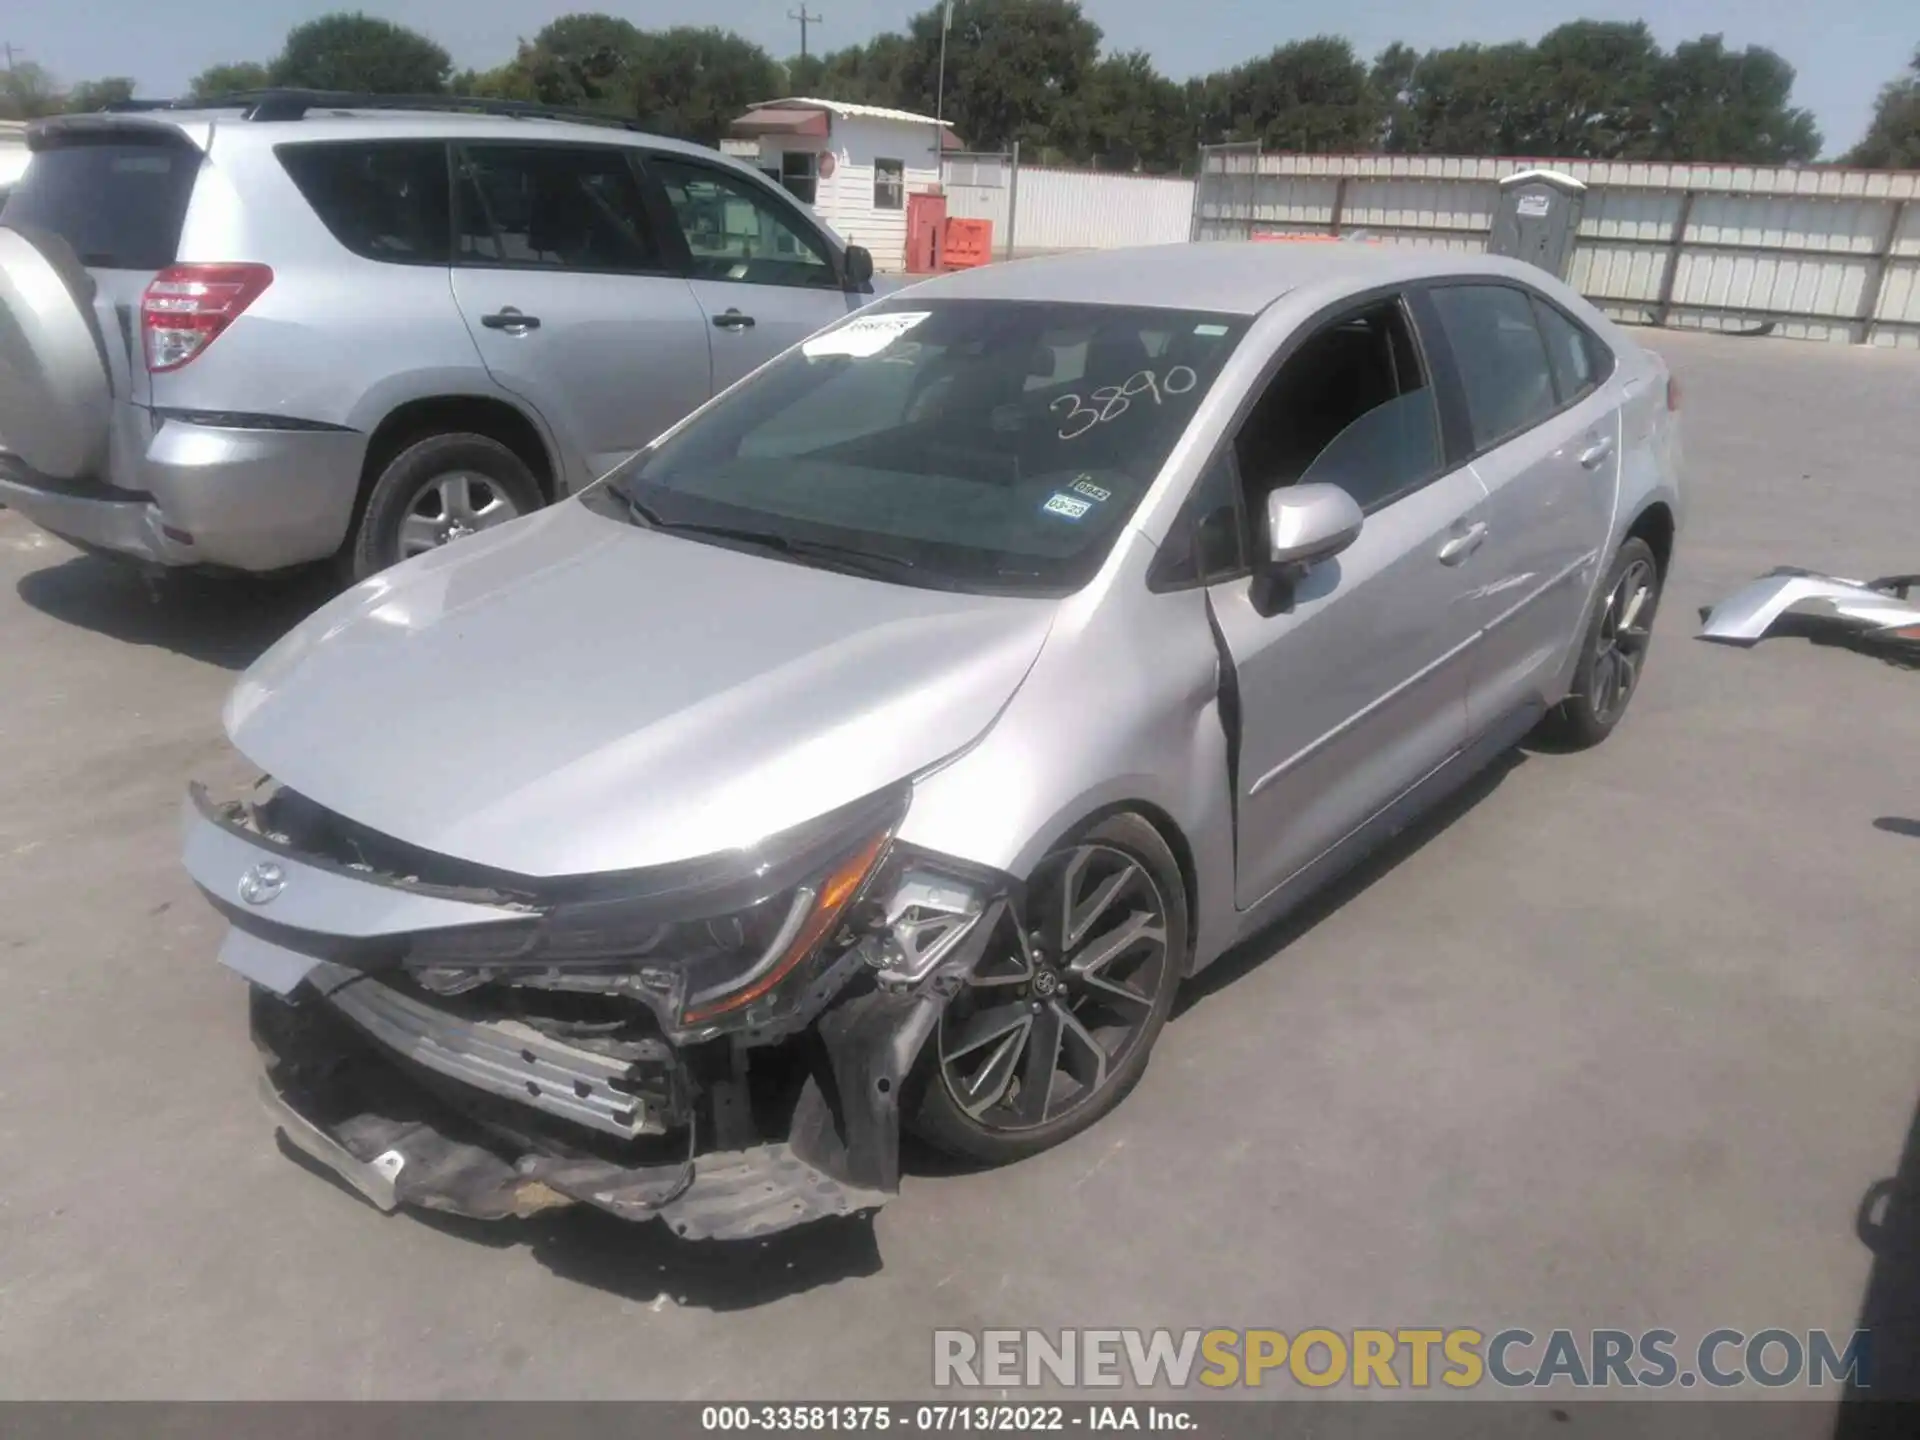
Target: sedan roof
x=1233 y=277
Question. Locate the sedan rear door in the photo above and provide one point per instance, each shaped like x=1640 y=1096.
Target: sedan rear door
x=570 y=293
x=764 y=275
x=1545 y=430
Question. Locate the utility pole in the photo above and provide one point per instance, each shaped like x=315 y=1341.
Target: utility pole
x=940 y=97
x=805 y=20
x=12 y=50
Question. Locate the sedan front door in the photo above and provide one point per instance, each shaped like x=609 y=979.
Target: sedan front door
x=570 y=295
x=1353 y=688
x=763 y=274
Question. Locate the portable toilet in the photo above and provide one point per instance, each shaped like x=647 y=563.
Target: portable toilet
x=1536 y=218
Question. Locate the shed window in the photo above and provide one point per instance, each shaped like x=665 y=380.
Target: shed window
x=797 y=171
x=889 y=185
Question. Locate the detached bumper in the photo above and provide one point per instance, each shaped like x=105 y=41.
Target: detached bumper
x=401 y=1134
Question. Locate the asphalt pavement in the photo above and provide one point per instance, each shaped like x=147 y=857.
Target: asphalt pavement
x=1622 y=1039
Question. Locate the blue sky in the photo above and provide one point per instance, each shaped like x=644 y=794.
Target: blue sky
x=1843 y=49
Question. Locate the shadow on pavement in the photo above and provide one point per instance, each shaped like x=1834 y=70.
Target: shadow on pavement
x=222 y=621
x=1898 y=825
x=1268 y=943
x=1888 y=1224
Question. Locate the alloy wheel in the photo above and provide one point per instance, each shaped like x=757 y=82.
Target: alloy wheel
x=1620 y=646
x=449 y=506
x=1064 y=993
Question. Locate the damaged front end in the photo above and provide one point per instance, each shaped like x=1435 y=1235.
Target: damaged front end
x=722 y=1044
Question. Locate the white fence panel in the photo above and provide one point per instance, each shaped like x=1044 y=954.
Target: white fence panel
x=1418 y=204
x=1900 y=303
x=1620 y=276
x=1096 y=210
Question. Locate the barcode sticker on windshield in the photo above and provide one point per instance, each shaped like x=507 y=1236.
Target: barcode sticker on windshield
x=864 y=336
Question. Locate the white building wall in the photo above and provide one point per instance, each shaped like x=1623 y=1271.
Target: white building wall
x=846 y=198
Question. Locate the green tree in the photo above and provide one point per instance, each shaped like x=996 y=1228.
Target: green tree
x=1014 y=70
x=228 y=80
x=872 y=74
x=27 y=92
x=693 y=82
x=1309 y=95
x=1131 y=117
x=348 y=50
x=1715 y=104
x=1591 y=90
x=90 y=95
x=1464 y=100
x=514 y=80
x=804 y=74
x=1392 y=79
x=1893 y=139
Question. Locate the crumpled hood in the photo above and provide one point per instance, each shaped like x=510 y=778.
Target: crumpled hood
x=571 y=694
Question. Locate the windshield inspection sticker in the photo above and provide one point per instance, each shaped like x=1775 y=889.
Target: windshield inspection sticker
x=1060 y=504
x=864 y=336
x=1085 y=486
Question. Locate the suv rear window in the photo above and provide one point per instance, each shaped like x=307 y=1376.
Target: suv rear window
x=117 y=201
x=382 y=199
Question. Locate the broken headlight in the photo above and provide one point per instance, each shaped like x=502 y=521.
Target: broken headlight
x=721 y=943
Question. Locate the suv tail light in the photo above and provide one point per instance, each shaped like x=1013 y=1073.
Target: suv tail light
x=187 y=306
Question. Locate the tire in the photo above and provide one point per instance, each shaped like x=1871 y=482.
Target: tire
x=411 y=483
x=1010 y=1125
x=56 y=406
x=1597 y=704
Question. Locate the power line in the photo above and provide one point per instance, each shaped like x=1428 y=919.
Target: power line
x=805 y=20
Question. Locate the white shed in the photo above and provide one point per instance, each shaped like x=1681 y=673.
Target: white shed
x=854 y=164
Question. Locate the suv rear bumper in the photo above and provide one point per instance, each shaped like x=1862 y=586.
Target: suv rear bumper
x=224 y=496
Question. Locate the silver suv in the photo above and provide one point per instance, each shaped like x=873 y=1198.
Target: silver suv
x=305 y=327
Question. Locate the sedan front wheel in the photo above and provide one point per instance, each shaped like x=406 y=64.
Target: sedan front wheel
x=1055 y=1023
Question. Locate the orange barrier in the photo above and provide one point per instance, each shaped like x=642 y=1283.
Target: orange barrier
x=968 y=243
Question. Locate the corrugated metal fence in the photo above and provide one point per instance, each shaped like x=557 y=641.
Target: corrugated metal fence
x=1818 y=252
x=1057 y=209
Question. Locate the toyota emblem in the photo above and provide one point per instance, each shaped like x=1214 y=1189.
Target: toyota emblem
x=262 y=883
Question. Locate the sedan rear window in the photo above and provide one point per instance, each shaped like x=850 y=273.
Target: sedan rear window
x=118 y=201
x=972 y=443
x=1502 y=359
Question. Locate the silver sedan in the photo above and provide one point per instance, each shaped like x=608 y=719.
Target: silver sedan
x=888 y=741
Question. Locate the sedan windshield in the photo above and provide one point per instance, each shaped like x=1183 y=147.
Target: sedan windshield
x=973 y=444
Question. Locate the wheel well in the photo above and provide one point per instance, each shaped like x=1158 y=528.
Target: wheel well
x=448 y=414
x=1176 y=842
x=1655 y=526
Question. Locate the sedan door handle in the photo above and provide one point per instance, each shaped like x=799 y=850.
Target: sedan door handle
x=1595 y=453
x=1463 y=544
x=510 y=319
x=733 y=320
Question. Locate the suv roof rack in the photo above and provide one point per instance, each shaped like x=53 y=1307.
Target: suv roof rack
x=293 y=104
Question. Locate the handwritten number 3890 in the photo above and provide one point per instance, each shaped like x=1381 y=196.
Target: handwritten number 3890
x=1110 y=402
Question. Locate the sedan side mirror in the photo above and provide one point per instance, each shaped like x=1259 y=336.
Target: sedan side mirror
x=1306 y=524
x=858 y=266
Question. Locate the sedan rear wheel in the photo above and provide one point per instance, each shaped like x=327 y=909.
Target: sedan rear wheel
x=1056 y=1021
x=1614 y=654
